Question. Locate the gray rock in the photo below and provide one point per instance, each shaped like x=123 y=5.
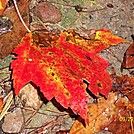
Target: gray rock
x=13 y=121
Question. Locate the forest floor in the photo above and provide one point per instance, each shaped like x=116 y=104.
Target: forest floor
x=114 y=15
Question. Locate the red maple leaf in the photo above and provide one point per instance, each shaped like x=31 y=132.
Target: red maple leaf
x=58 y=64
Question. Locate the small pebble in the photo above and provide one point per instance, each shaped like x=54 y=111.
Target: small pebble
x=110 y=5
x=78 y=8
x=47 y=12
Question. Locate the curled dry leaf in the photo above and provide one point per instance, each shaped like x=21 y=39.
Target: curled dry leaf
x=59 y=63
x=47 y=12
x=128 y=61
x=125 y=118
x=9 y=40
x=124 y=84
x=116 y=114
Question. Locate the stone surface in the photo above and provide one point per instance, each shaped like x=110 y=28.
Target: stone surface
x=47 y=12
x=13 y=121
x=29 y=97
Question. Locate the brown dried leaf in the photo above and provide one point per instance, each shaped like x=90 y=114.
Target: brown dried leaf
x=100 y=115
x=128 y=61
x=125 y=120
x=125 y=84
x=9 y=40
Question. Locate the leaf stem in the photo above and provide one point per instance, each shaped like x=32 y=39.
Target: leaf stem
x=18 y=12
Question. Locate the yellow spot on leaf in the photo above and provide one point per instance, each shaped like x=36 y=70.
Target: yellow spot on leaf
x=1 y=7
x=67 y=94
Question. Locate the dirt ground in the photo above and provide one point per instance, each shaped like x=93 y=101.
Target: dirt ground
x=96 y=14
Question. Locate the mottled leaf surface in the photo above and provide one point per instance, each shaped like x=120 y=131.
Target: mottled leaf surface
x=60 y=63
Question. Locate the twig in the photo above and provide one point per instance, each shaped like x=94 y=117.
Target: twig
x=129 y=92
x=4 y=79
x=42 y=127
x=5 y=73
x=4 y=67
x=7 y=105
x=42 y=23
x=131 y=122
x=30 y=118
x=60 y=113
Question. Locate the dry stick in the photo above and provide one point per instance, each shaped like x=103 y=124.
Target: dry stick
x=61 y=113
x=52 y=123
x=74 y=6
x=4 y=67
x=3 y=79
x=5 y=73
x=58 y=112
x=43 y=126
x=18 y=12
x=57 y=122
x=131 y=122
x=42 y=23
x=129 y=91
x=30 y=118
